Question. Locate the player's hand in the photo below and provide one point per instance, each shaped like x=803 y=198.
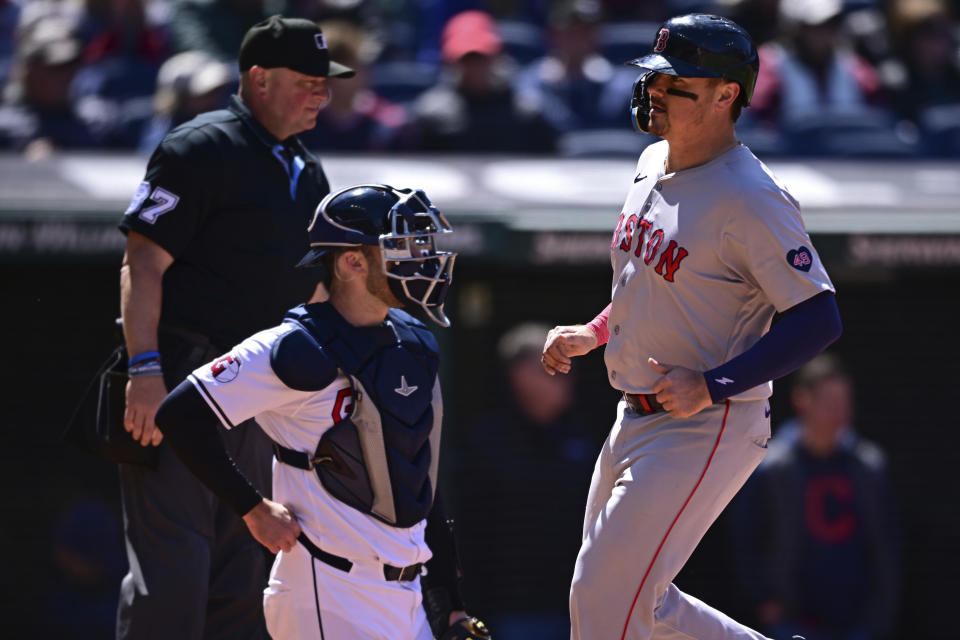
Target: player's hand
x=273 y=525
x=682 y=392
x=564 y=343
x=144 y=395
x=464 y=627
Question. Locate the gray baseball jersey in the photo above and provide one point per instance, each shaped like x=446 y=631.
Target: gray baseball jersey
x=702 y=258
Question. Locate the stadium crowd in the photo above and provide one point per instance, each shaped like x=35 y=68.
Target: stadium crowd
x=838 y=77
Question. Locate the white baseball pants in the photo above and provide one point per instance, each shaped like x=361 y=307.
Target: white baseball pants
x=308 y=599
x=658 y=485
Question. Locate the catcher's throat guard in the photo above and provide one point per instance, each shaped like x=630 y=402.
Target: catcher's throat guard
x=417 y=270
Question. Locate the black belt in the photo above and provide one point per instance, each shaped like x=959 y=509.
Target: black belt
x=298 y=459
x=303 y=460
x=643 y=403
x=390 y=572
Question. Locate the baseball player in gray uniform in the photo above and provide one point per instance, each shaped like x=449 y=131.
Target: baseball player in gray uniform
x=708 y=247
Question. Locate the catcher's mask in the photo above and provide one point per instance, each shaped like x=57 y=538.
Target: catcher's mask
x=696 y=45
x=405 y=225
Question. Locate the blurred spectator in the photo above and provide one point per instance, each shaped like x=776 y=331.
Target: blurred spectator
x=356 y=118
x=366 y=14
x=9 y=18
x=530 y=11
x=647 y=11
x=38 y=115
x=758 y=17
x=523 y=475
x=89 y=561
x=815 y=535
x=431 y=18
x=924 y=39
x=575 y=86
x=474 y=108
x=188 y=84
x=123 y=54
x=120 y=29
x=810 y=81
x=217 y=26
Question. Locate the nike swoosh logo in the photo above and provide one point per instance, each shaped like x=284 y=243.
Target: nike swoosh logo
x=638 y=179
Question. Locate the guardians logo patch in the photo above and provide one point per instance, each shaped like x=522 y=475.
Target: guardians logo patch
x=225 y=369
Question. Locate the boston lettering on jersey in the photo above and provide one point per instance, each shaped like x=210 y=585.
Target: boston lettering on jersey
x=671 y=256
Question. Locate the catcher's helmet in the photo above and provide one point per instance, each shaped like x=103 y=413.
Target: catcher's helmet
x=696 y=45
x=404 y=224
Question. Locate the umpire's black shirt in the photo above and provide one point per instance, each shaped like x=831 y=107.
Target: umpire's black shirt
x=231 y=204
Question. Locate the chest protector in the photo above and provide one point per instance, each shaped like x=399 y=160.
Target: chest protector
x=382 y=458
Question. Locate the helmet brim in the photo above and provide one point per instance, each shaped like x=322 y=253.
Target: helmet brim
x=338 y=70
x=313 y=256
x=671 y=66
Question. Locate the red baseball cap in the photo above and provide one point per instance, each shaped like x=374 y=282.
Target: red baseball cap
x=470 y=32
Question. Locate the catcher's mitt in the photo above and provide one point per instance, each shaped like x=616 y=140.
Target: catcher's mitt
x=467 y=629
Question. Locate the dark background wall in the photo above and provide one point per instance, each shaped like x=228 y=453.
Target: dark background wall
x=899 y=342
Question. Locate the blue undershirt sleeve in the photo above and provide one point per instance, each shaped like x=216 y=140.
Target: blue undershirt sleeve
x=805 y=330
x=191 y=428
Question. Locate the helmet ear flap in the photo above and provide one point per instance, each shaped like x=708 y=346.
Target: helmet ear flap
x=640 y=104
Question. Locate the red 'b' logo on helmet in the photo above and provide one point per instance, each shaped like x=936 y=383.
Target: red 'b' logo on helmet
x=661 y=41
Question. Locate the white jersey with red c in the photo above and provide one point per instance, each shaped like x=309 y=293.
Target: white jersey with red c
x=306 y=598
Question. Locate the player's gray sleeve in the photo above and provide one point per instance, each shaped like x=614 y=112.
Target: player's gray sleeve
x=765 y=242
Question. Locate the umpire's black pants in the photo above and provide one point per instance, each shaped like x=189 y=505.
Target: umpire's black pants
x=195 y=570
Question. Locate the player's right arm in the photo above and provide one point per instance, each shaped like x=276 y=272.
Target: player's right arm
x=162 y=219
x=141 y=275
x=568 y=341
x=274 y=371
x=191 y=430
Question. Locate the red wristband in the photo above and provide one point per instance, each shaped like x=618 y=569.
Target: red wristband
x=599 y=326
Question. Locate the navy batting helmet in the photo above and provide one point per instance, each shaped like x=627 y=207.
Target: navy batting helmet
x=404 y=224
x=697 y=45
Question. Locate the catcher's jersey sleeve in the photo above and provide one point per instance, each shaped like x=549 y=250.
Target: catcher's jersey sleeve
x=765 y=242
x=242 y=384
x=177 y=192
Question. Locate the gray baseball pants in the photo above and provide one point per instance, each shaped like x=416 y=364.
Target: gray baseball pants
x=658 y=485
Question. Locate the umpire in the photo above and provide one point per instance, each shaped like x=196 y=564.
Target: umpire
x=213 y=234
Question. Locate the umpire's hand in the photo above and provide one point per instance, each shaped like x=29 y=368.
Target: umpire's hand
x=144 y=395
x=273 y=525
x=566 y=342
